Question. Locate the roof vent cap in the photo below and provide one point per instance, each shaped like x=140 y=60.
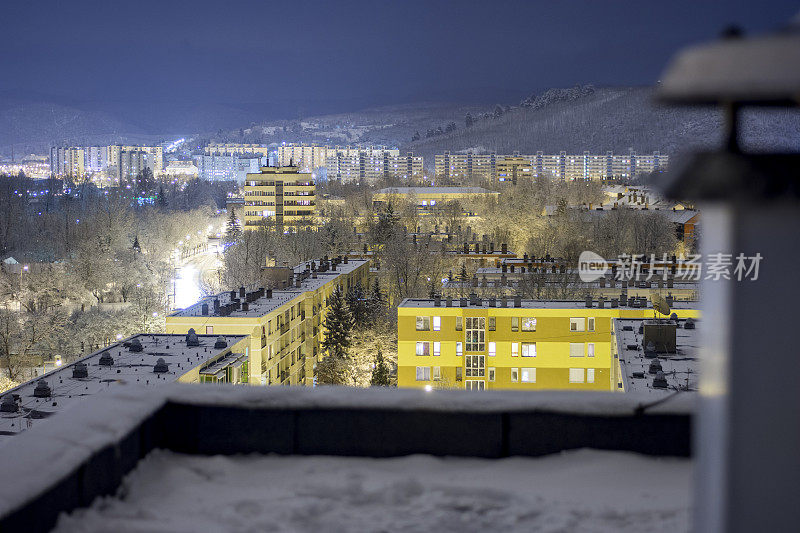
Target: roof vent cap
x=42 y=389
x=9 y=405
x=191 y=338
x=161 y=366
x=689 y=324
x=79 y=370
x=136 y=345
x=221 y=343
x=106 y=359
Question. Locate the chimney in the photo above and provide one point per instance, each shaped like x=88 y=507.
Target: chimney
x=474 y=300
x=588 y=301
x=503 y=302
x=463 y=302
x=504 y=248
x=518 y=301
x=492 y=302
x=269 y=293
x=601 y=303
x=448 y=302
x=245 y=306
x=614 y=302
x=241 y=292
x=233 y=295
x=437 y=301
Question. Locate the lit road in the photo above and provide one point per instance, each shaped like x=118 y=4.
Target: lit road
x=193 y=274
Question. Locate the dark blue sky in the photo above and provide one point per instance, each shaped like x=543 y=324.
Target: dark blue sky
x=333 y=54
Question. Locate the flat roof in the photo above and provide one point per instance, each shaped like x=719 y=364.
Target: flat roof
x=128 y=368
x=535 y=304
x=263 y=305
x=435 y=190
x=681 y=369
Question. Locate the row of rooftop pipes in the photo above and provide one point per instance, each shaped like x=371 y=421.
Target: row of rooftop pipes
x=80 y=370
x=654 y=368
x=516 y=301
x=241 y=301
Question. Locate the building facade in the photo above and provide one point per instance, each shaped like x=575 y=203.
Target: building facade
x=285 y=326
x=284 y=196
x=236 y=149
x=475 y=169
x=528 y=344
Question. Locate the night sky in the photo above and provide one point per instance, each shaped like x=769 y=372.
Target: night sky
x=332 y=54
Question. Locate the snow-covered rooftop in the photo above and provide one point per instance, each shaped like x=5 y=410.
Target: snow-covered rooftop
x=264 y=305
x=537 y=304
x=681 y=369
x=581 y=490
x=435 y=190
x=128 y=367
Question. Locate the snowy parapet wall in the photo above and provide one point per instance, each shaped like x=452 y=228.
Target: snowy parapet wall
x=85 y=451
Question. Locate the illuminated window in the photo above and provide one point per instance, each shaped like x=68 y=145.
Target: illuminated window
x=437 y=348
x=437 y=323
x=514 y=349
x=528 y=375
x=423 y=348
x=576 y=375
x=475 y=365
x=476 y=334
x=590 y=350
x=459 y=349
x=492 y=349
x=209 y=330
x=528 y=349
x=590 y=375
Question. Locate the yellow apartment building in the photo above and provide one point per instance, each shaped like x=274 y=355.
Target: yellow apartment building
x=511 y=344
x=283 y=325
x=280 y=195
x=429 y=197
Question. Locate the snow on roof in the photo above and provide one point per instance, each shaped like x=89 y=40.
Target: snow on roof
x=129 y=367
x=264 y=305
x=538 y=304
x=679 y=369
x=435 y=190
x=578 y=490
x=10 y=261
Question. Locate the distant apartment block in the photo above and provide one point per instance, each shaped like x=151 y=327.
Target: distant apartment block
x=227 y=167
x=236 y=148
x=122 y=162
x=427 y=198
x=478 y=168
x=352 y=163
x=284 y=196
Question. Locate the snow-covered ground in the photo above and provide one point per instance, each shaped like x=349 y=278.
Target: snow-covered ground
x=578 y=491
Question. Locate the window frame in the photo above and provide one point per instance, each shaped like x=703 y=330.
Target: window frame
x=421 y=323
x=491 y=324
x=527 y=320
x=426 y=348
x=514 y=375
x=436 y=323
x=459 y=323
x=514 y=323
x=583 y=375
x=590 y=349
x=437 y=348
x=528 y=346
x=579 y=323
x=491 y=372
x=531 y=370
x=426 y=370
x=590 y=375
x=573 y=344
x=491 y=348
x=590 y=323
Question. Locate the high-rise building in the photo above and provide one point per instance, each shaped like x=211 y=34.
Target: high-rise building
x=68 y=161
x=280 y=195
x=236 y=149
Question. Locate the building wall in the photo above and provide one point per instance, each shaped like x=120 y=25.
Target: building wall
x=469 y=168
x=285 y=343
x=552 y=338
x=236 y=148
x=280 y=194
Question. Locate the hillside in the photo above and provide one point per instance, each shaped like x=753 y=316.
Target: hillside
x=608 y=119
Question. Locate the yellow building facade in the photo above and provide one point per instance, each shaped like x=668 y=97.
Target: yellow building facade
x=280 y=195
x=536 y=345
x=284 y=327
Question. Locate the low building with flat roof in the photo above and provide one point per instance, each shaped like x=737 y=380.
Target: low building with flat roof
x=144 y=359
x=480 y=344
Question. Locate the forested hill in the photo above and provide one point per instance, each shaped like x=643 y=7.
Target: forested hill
x=596 y=120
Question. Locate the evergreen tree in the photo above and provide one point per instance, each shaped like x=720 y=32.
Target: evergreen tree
x=377 y=304
x=463 y=274
x=136 y=247
x=161 y=198
x=338 y=325
x=357 y=303
x=380 y=374
x=234 y=231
